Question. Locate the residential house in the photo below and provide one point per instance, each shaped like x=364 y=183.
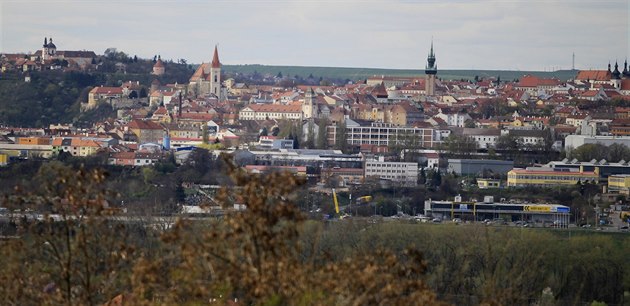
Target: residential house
x=485 y=138
x=110 y=95
x=620 y=127
x=161 y=115
x=457 y=119
x=529 y=137
x=76 y=146
x=146 y=131
x=405 y=114
x=535 y=85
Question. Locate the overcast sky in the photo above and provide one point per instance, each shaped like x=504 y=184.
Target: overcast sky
x=467 y=34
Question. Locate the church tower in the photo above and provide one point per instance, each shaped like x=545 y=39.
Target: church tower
x=430 y=71
x=49 y=50
x=215 y=74
x=616 y=77
x=626 y=71
x=308 y=107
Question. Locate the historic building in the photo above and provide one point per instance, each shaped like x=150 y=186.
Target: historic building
x=158 y=68
x=431 y=72
x=207 y=78
x=53 y=59
x=308 y=107
x=614 y=78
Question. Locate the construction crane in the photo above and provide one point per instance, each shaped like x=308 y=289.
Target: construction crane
x=336 y=202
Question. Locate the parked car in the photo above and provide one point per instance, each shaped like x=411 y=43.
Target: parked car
x=422 y=219
x=457 y=220
x=436 y=220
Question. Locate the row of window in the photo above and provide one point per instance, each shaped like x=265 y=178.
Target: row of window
x=379 y=165
x=546 y=177
x=385 y=171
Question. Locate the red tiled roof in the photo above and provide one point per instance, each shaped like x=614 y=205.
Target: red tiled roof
x=144 y=125
x=589 y=93
x=77 y=54
x=594 y=75
x=124 y=155
x=158 y=64
x=277 y=108
x=534 y=81
x=197 y=116
x=107 y=90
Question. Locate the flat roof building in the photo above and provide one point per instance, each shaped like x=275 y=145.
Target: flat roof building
x=385 y=134
x=575 y=141
x=478 y=166
x=405 y=173
x=491 y=210
x=605 y=168
x=619 y=183
x=549 y=177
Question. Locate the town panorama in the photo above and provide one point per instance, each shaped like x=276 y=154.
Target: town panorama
x=159 y=147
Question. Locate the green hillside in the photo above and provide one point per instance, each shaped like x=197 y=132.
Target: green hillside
x=363 y=73
x=53 y=96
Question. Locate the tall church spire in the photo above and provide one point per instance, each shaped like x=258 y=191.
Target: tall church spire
x=431 y=67
x=430 y=71
x=215 y=59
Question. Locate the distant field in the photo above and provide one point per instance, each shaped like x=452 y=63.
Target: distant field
x=363 y=73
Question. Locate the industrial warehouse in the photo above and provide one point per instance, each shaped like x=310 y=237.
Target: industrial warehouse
x=544 y=214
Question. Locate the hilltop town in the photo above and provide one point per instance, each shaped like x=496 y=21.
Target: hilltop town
x=341 y=135
x=133 y=181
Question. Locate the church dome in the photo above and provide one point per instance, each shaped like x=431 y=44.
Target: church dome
x=51 y=45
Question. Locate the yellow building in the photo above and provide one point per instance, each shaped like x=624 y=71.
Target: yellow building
x=34 y=140
x=547 y=177
x=4 y=159
x=619 y=183
x=484 y=183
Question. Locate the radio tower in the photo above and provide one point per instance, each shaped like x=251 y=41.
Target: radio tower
x=573 y=65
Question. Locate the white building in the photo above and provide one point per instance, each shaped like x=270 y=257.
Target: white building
x=384 y=134
x=454 y=119
x=485 y=138
x=406 y=173
x=270 y=111
x=575 y=141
